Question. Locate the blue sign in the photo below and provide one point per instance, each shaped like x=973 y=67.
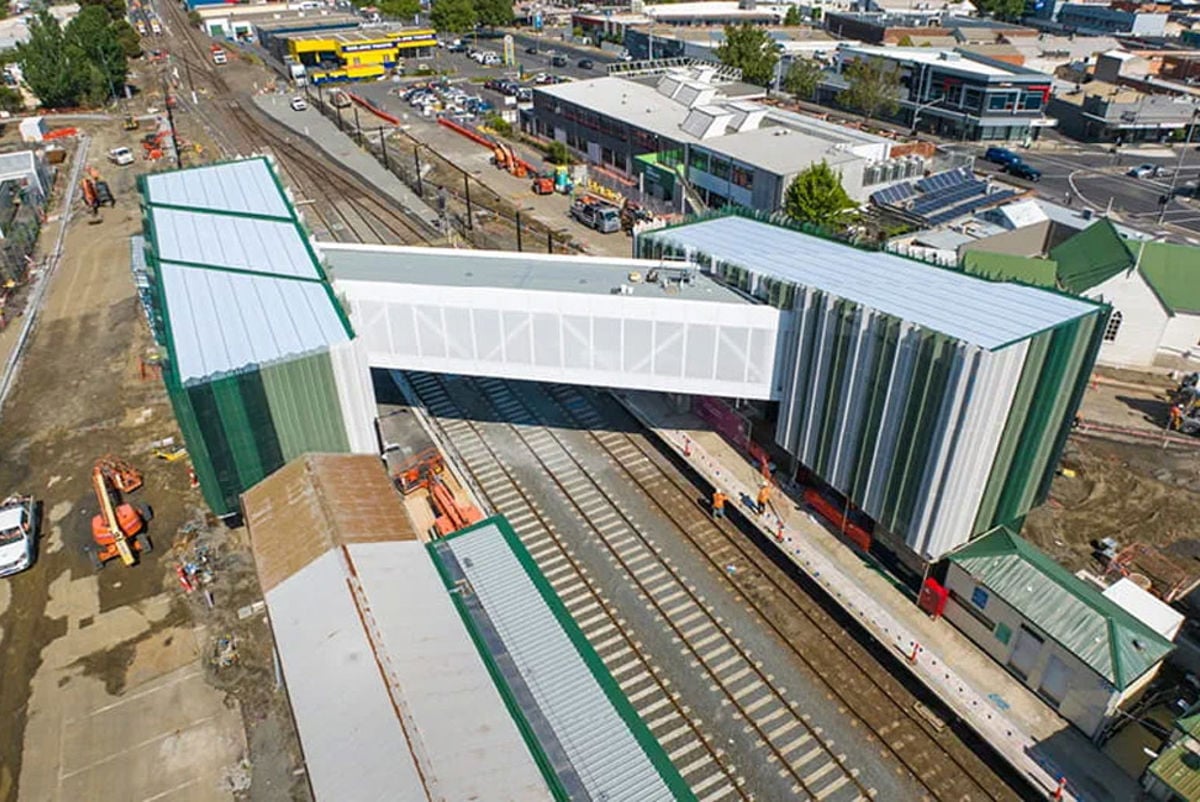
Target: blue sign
x=537 y=21
x=979 y=598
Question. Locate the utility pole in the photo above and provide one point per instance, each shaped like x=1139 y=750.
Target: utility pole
x=383 y=148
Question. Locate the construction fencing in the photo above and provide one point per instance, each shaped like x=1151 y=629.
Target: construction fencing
x=469 y=211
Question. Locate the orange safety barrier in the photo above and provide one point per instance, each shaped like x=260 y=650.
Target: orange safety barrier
x=482 y=140
x=854 y=533
x=371 y=107
x=59 y=133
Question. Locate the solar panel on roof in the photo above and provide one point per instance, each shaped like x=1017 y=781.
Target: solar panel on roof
x=893 y=195
x=968 y=207
x=931 y=201
x=942 y=181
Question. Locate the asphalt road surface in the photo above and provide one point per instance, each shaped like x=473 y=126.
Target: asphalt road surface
x=1094 y=177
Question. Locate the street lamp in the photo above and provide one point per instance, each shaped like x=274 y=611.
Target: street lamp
x=917 y=114
x=1187 y=142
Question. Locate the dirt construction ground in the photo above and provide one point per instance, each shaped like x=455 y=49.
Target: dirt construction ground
x=117 y=684
x=1130 y=488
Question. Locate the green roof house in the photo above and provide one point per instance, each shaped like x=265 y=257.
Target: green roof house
x=1152 y=287
x=1080 y=651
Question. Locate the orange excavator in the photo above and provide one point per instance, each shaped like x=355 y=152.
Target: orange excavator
x=119 y=528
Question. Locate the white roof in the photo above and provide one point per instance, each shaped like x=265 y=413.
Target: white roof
x=243 y=243
x=985 y=313
x=1022 y=214
x=930 y=55
x=221 y=321
x=452 y=737
x=245 y=187
x=1146 y=607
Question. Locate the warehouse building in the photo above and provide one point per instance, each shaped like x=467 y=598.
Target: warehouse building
x=935 y=402
x=356 y=55
x=1079 y=650
x=260 y=363
x=350 y=587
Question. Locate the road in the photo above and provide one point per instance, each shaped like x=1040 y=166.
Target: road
x=1091 y=176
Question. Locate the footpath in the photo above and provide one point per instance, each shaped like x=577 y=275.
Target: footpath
x=1028 y=734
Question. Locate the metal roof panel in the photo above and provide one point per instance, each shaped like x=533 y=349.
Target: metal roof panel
x=222 y=322
x=241 y=243
x=245 y=187
x=976 y=311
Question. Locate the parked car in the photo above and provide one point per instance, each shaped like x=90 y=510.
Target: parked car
x=599 y=216
x=299 y=104
x=586 y=64
x=532 y=50
x=1001 y=156
x=1020 y=169
x=120 y=156
x=558 y=60
x=17 y=534
x=1145 y=171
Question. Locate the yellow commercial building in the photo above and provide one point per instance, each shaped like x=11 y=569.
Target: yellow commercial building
x=356 y=55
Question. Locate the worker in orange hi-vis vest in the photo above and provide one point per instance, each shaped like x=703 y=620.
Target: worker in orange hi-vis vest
x=764 y=493
x=718 y=504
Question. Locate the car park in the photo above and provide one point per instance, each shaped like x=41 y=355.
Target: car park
x=1001 y=156
x=1020 y=169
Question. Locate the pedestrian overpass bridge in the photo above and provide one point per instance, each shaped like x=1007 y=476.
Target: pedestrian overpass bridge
x=620 y=323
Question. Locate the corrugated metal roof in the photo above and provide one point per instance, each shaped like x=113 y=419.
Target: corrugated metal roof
x=1006 y=266
x=1177 y=765
x=1173 y=272
x=390 y=696
x=1116 y=645
x=985 y=313
x=245 y=187
x=243 y=243
x=221 y=322
x=1091 y=257
x=354 y=744
x=605 y=754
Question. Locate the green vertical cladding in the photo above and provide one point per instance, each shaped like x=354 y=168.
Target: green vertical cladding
x=1091 y=332
x=197 y=447
x=887 y=334
x=203 y=400
x=237 y=419
x=1069 y=345
x=304 y=406
x=916 y=441
x=1018 y=411
x=836 y=385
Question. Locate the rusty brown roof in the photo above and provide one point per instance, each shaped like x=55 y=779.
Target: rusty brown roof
x=318 y=502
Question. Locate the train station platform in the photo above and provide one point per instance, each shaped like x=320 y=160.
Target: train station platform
x=341 y=147
x=1031 y=736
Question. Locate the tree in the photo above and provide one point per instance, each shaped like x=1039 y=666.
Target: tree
x=792 y=17
x=906 y=41
x=399 y=9
x=11 y=100
x=1011 y=10
x=452 y=16
x=131 y=43
x=493 y=13
x=802 y=78
x=53 y=70
x=816 y=196
x=114 y=8
x=874 y=87
x=557 y=153
x=750 y=49
x=94 y=36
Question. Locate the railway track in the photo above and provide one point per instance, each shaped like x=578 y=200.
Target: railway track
x=943 y=762
x=908 y=728
x=348 y=209
x=803 y=761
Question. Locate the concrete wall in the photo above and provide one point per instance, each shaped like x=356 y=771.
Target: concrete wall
x=1089 y=696
x=1181 y=335
x=1143 y=320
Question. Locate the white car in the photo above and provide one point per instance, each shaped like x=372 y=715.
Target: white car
x=121 y=156
x=16 y=534
x=299 y=104
x=1145 y=171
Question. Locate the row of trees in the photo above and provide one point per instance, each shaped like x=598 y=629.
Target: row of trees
x=83 y=63
x=873 y=84
x=461 y=16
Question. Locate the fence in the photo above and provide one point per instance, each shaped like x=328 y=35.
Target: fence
x=469 y=211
